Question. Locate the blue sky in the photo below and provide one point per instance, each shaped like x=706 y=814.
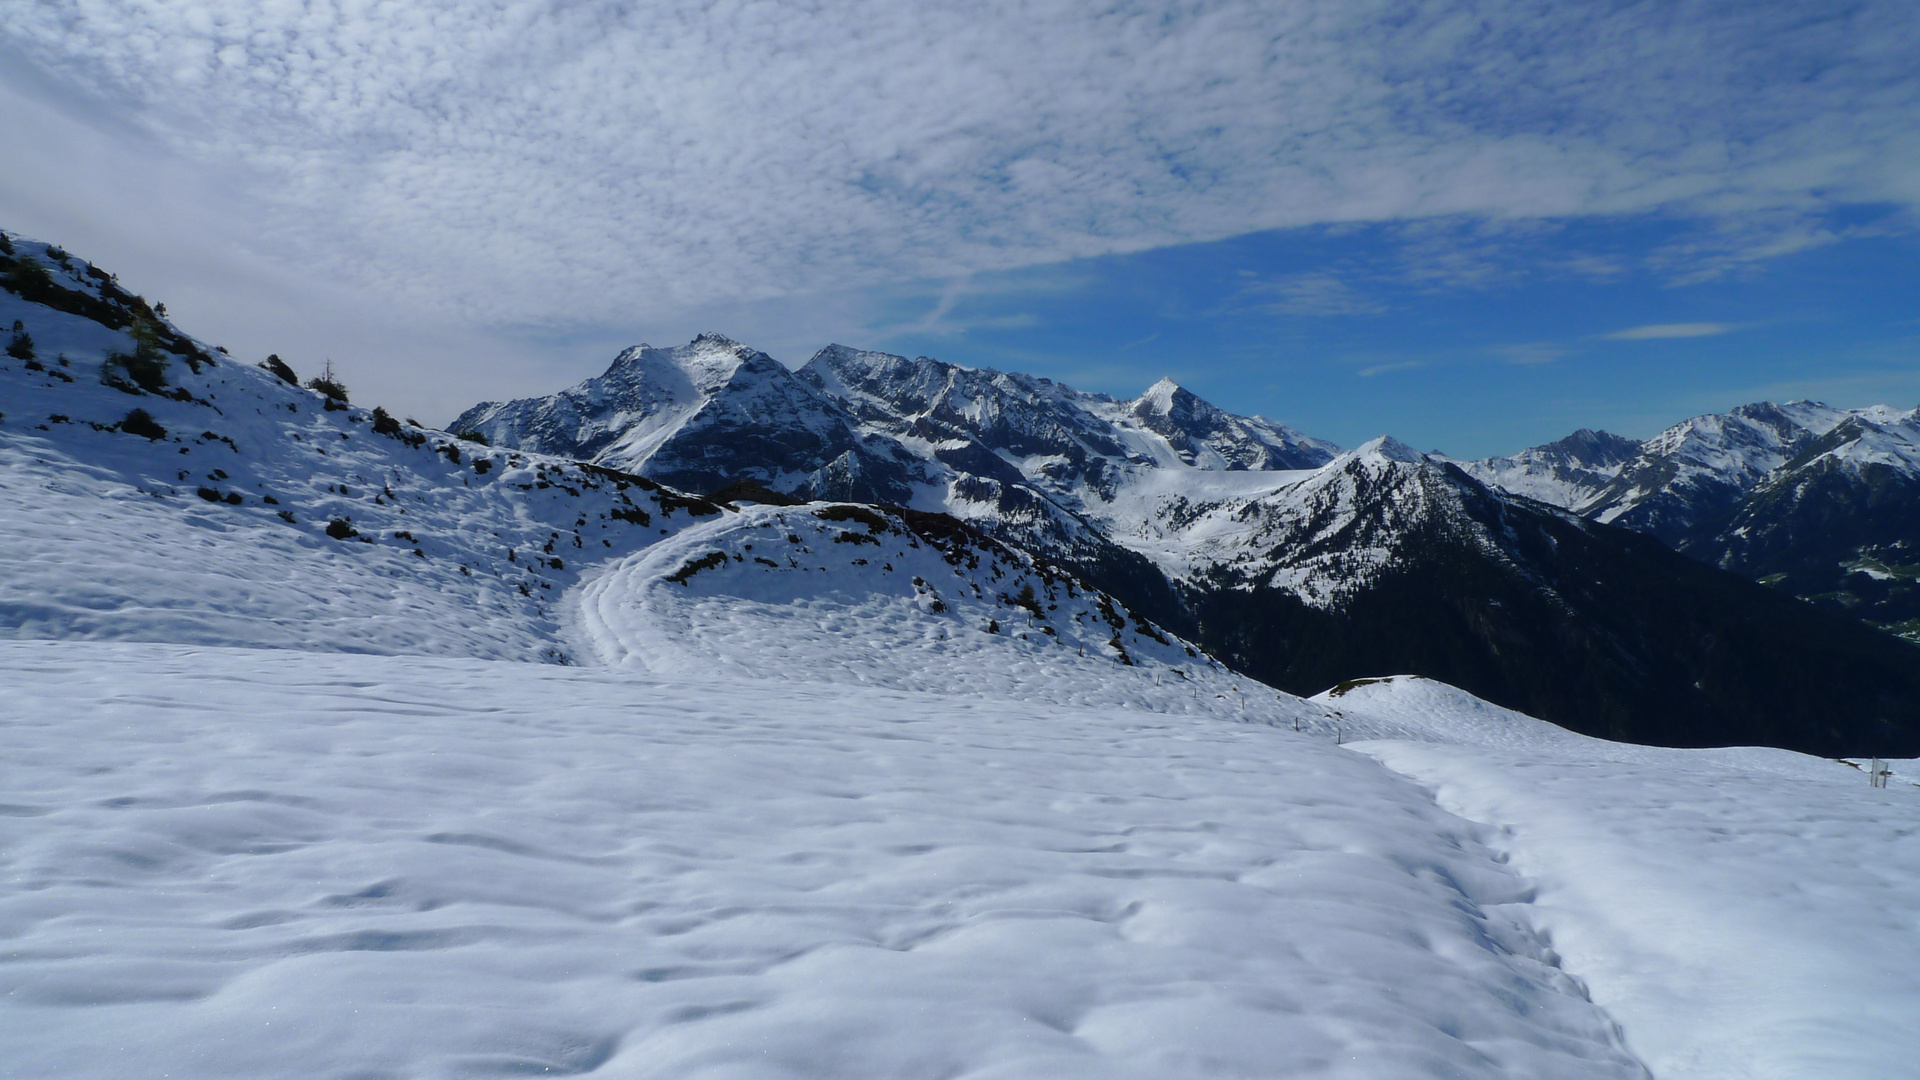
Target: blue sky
x=1423 y=217
x=1349 y=333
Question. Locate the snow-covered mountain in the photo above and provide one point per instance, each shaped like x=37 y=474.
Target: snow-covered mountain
x=1568 y=472
x=219 y=503
x=1819 y=501
x=311 y=523
x=1023 y=428
x=702 y=415
x=1305 y=566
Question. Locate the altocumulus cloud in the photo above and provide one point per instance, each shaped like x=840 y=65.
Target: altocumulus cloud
x=527 y=161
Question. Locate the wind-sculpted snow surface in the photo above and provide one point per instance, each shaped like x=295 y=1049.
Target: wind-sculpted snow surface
x=272 y=864
x=1746 y=914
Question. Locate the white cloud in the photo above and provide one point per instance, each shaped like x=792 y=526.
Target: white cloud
x=530 y=160
x=466 y=182
x=1670 y=330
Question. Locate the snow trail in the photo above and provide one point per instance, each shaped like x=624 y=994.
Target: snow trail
x=1745 y=913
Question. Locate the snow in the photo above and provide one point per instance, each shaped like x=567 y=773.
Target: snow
x=1743 y=913
x=462 y=550
x=830 y=798
x=224 y=862
x=1740 y=450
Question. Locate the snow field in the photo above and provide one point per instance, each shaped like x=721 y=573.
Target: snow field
x=222 y=862
x=1745 y=914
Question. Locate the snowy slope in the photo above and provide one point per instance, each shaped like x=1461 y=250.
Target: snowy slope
x=1819 y=502
x=1567 y=473
x=1745 y=914
x=1124 y=466
x=875 y=599
x=215 y=529
x=266 y=864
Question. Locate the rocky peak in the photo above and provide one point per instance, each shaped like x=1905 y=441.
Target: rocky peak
x=1590 y=449
x=1383 y=449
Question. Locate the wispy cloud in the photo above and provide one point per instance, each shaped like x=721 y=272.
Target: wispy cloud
x=527 y=160
x=1657 y=331
x=1308 y=294
x=1383 y=369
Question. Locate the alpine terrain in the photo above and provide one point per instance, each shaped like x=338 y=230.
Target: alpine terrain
x=333 y=744
x=1295 y=563
x=1818 y=502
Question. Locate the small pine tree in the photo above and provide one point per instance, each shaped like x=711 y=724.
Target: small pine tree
x=1027 y=598
x=384 y=423
x=145 y=366
x=328 y=385
x=6 y=244
x=28 y=277
x=20 y=346
x=280 y=370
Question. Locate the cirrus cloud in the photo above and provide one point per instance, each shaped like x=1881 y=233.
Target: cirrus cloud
x=1658 y=331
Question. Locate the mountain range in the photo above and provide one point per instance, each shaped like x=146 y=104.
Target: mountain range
x=1542 y=582
x=165 y=491
x=1819 y=502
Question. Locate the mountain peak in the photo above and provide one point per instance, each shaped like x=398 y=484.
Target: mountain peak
x=1160 y=397
x=1387 y=448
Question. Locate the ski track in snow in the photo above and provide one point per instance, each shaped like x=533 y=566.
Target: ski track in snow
x=221 y=862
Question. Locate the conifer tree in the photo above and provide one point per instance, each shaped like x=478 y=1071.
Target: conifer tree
x=328 y=385
x=20 y=346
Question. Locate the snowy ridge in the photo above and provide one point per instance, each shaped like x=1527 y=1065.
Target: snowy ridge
x=702 y=415
x=1820 y=502
x=1703 y=464
x=1706 y=462
x=1087 y=453
x=1566 y=473
x=851 y=595
x=1323 y=535
x=252 y=513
